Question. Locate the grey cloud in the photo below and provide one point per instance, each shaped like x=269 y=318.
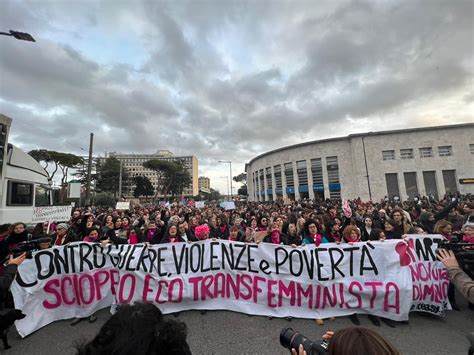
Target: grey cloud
x=233 y=79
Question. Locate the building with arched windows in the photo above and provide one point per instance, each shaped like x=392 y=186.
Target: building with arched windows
x=400 y=163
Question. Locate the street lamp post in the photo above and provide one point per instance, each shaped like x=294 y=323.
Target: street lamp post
x=230 y=168
x=22 y=36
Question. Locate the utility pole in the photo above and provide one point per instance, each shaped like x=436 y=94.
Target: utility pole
x=120 y=181
x=230 y=165
x=230 y=168
x=89 y=170
x=366 y=168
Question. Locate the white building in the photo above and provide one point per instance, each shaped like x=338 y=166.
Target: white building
x=403 y=163
x=134 y=165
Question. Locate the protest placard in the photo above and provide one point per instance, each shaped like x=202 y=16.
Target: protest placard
x=123 y=205
x=199 y=204
x=51 y=213
x=229 y=205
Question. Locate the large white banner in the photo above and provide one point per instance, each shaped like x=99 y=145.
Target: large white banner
x=264 y=279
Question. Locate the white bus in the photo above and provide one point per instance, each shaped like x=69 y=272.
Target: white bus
x=24 y=183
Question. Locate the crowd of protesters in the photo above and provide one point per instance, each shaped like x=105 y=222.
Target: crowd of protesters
x=296 y=224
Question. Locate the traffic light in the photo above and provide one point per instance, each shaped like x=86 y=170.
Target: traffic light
x=22 y=36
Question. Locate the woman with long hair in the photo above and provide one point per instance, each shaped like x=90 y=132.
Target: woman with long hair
x=444 y=228
x=262 y=224
x=171 y=235
x=366 y=228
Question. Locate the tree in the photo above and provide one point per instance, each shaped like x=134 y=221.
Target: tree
x=241 y=178
x=214 y=195
x=143 y=187
x=104 y=200
x=82 y=171
x=242 y=191
x=172 y=176
x=182 y=179
x=43 y=155
x=61 y=161
x=108 y=176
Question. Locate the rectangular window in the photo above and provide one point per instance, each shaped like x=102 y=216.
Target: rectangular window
x=431 y=188
x=262 y=182
x=290 y=181
x=406 y=153
x=445 y=151
x=471 y=148
x=302 y=173
x=410 y=184
x=268 y=175
x=278 y=181
x=392 y=185
x=19 y=194
x=388 y=154
x=426 y=152
x=332 y=167
x=317 y=173
x=449 y=178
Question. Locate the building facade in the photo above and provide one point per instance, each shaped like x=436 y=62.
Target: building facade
x=400 y=163
x=134 y=165
x=204 y=184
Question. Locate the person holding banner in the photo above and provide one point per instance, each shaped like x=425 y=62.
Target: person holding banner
x=310 y=233
x=62 y=236
x=171 y=236
x=292 y=234
x=185 y=233
x=275 y=236
x=93 y=237
x=223 y=227
x=331 y=233
x=351 y=234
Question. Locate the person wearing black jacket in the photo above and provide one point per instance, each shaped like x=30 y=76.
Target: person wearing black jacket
x=290 y=231
x=275 y=236
x=366 y=228
x=171 y=236
x=185 y=233
x=8 y=275
x=223 y=228
x=332 y=232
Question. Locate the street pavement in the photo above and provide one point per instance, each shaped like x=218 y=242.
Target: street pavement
x=223 y=332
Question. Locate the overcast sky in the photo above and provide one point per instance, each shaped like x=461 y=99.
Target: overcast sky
x=229 y=80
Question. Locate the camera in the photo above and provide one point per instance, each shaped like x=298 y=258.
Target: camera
x=464 y=253
x=292 y=340
x=28 y=247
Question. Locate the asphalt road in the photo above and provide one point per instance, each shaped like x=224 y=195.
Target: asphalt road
x=222 y=332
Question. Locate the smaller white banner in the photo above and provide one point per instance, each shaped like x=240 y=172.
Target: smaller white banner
x=51 y=213
x=199 y=204
x=123 y=205
x=230 y=205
